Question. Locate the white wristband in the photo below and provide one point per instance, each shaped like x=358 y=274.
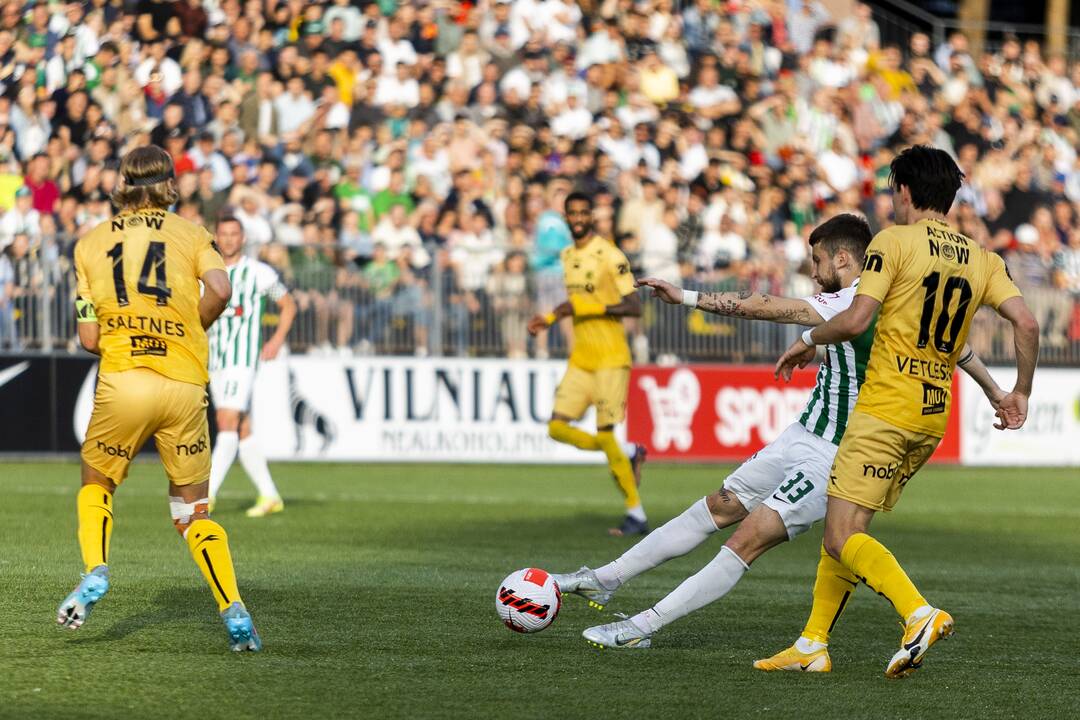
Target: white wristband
x=806 y=337
x=689 y=298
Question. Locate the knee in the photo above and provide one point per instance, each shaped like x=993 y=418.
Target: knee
x=725 y=508
x=834 y=542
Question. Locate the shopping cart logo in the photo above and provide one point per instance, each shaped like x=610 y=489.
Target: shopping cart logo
x=672 y=409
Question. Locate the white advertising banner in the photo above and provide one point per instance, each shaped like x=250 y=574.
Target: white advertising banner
x=411 y=410
x=1051 y=435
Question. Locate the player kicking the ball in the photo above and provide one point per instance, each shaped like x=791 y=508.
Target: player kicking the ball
x=779 y=492
x=234 y=357
x=139 y=308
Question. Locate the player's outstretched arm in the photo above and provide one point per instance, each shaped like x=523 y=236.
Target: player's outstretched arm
x=844 y=326
x=286 y=315
x=1013 y=409
x=216 y=295
x=744 y=304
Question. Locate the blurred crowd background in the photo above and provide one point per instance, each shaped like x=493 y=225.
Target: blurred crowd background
x=404 y=164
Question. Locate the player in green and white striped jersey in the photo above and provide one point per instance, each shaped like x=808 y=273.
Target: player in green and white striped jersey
x=235 y=351
x=780 y=492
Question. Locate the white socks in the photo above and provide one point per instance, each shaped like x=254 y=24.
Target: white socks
x=676 y=537
x=806 y=645
x=637 y=512
x=254 y=463
x=629 y=449
x=711 y=583
x=222 y=459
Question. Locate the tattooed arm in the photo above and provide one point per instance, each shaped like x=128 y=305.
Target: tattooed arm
x=759 y=306
x=745 y=304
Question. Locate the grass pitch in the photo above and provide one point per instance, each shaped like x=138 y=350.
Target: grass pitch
x=374 y=595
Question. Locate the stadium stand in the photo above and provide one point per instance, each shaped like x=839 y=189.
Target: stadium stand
x=403 y=165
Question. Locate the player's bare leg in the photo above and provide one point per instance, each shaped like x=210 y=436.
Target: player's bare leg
x=674 y=538
x=94 y=506
x=846 y=540
x=761 y=530
x=209 y=546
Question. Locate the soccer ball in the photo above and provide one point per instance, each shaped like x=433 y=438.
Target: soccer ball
x=528 y=600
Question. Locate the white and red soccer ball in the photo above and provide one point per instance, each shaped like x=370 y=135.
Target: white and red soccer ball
x=528 y=600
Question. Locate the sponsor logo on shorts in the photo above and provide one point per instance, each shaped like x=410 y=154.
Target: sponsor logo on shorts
x=933 y=398
x=114 y=450
x=883 y=472
x=148 y=345
x=193 y=449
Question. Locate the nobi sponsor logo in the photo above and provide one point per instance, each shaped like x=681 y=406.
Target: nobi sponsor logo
x=193 y=449
x=114 y=450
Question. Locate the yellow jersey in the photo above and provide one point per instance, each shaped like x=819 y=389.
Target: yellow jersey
x=140 y=271
x=598 y=272
x=930 y=280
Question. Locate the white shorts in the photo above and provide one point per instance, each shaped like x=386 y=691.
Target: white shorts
x=231 y=388
x=789 y=475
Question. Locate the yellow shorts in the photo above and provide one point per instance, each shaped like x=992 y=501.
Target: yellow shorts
x=605 y=388
x=875 y=460
x=132 y=405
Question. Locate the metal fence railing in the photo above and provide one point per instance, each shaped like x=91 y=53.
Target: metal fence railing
x=899 y=19
x=351 y=308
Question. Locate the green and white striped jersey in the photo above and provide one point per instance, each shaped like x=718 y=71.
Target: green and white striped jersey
x=235 y=339
x=840 y=375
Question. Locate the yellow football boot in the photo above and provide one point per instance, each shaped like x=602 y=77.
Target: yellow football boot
x=265 y=506
x=795 y=659
x=919 y=635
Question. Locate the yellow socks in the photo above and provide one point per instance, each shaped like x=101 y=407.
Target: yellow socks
x=872 y=561
x=94 y=508
x=620 y=468
x=833 y=587
x=209 y=547
x=563 y=432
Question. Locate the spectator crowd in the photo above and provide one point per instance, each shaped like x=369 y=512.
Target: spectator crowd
x=404 y=164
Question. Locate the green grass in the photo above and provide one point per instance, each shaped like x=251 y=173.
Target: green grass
x=374 y=594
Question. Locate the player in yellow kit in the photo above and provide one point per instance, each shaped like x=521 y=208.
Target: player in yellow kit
x=139 y=307
x=924 y=281
x=600 y=292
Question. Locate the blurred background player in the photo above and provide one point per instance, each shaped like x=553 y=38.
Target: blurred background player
x=779 y=493
x=600 y=292
x=235 y=351
x=139 y=308
x=923 y=281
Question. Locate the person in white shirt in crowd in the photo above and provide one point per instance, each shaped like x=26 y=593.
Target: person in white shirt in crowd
x=155 y=59
x=294 y=106
x=722 y=248
x=350 y=15
x=396 y=47
x=395 y=233
x=660 y=247
x=574 y=121
x=560 y=19
x=204 y=154
x=399 y=88
x=474 y=250
x=431 y=159
x=21 y=218
x=252 y=217
x=466 y=64
x=710 y=99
